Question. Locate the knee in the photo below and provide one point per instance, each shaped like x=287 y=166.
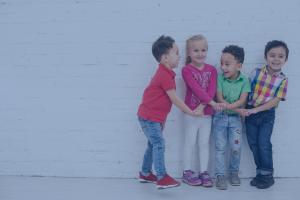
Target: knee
x=158 y=143
x=220 y=146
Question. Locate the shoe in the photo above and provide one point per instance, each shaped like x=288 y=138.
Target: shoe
x=221 y=183
x=151 y=178
x=166 y=182
x=206 y=179
x=190 y=178
x=234 y=179
x=255 y=180
x=265 y=182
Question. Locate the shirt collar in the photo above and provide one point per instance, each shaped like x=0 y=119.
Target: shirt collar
x=265 y=70
x=235 y=80
x=169 y=71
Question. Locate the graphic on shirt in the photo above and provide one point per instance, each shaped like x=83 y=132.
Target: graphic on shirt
x=203 y=80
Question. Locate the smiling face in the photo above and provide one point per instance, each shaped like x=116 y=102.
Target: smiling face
x=276 y=58
x=230 y=66
x=197 y=51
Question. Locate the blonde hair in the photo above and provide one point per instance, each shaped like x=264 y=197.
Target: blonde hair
x=189 y=41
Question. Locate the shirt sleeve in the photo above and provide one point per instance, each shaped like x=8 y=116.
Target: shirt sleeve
x=195 y=87
x=246 y=86
x=282 y=90
x=167 y=82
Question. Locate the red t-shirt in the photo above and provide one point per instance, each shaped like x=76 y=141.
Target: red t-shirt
x=156 y=104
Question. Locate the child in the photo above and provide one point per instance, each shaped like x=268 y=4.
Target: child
x=152 y=113
x=268 y=88
x=233 y=88
x=200 y=79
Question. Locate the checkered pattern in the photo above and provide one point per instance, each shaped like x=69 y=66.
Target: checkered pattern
x=265 y=87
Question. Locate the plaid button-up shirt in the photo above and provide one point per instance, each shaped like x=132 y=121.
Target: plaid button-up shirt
x=265 y=87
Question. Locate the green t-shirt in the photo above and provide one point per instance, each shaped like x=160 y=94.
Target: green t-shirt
x=232 y=89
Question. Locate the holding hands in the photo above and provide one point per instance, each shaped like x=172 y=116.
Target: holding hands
x=246 y=112
x=199 y=110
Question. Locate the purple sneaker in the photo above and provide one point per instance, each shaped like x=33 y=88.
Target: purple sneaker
x=206 y=179
x=190 y=178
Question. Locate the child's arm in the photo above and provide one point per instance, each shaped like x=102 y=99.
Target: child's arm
x=222 y=104
x=180 y=104
x=241 y=102
x=270 y=104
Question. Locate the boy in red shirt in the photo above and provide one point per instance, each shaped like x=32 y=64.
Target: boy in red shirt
x=152 y=113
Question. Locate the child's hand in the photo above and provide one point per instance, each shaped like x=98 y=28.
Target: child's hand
x=243 y=112
x=246 y=112
x=252 y=111
x=224 y=106
x=199 y=111
x=219 y=106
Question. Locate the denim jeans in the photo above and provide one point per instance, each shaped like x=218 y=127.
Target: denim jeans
x=155 y=148
x=259 y=128
x=227 y=128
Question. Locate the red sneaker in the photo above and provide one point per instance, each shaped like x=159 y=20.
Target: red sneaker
x=151 y=178
x=167 y=182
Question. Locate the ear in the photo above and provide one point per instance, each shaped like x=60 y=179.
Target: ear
x=240 y=66
x=164 y=58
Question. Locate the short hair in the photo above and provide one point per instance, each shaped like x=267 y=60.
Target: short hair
x=237 y=52
x=188 y=42
x=162 y=46
x=276 y=43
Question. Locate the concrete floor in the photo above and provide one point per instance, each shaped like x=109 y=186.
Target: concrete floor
x=46 y=188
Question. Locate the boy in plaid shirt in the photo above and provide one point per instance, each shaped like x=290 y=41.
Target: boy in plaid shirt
x=268 y=88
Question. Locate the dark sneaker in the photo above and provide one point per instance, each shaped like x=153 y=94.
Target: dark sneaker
x=151 y=178
x=167 y=182
x=234 y=179
x=265 y=182
x=255 y=180
x=206 y=179
x=190 y=178
x=221 y=183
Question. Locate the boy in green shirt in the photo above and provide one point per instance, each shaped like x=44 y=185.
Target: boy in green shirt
x=233 y=88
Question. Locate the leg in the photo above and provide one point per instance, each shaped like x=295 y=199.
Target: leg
x=153 y=132
x=235 y=140
x=252 y=131
x=148 y=160
x=190 y=135
x=264 y=143
x=220 y=137
x=203 y=142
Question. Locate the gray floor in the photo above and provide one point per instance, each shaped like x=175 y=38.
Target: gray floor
x=44 y=188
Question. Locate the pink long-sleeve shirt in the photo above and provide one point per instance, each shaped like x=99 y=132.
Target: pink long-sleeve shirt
x=201 y=86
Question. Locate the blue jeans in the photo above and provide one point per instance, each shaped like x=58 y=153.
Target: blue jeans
x=156 y=147
x=259 y=128
x=227 y=128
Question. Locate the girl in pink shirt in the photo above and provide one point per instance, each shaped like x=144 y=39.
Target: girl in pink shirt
x=201 y=80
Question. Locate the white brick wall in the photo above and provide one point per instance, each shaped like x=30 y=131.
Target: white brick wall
x=72 y=73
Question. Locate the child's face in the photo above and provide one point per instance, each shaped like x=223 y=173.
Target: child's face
x=276 y=58
x=172 y=58
x=197 y=50
x=230 y=66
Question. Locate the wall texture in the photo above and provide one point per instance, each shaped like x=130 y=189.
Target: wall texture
x=72 y=73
